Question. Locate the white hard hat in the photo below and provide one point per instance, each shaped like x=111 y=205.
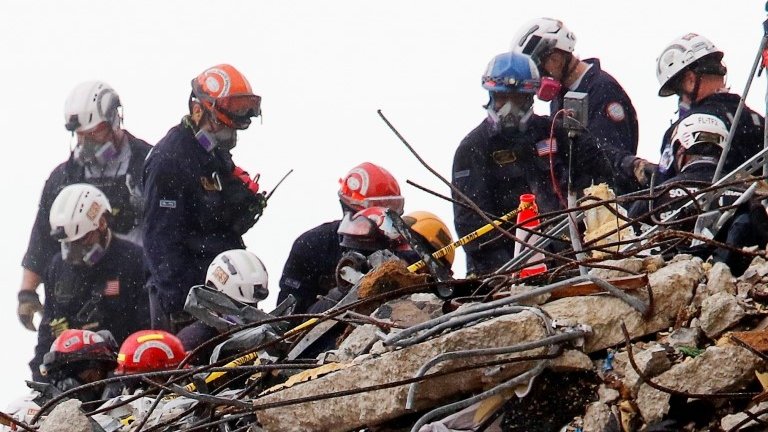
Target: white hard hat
x=539 y=36
x=700 y=129
x=681 y=53
x=76 y=211
x=89 y=104
x=239 y=274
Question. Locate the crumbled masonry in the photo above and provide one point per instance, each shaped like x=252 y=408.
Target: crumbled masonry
x=704 y=336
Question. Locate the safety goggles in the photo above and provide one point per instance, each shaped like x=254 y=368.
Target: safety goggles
x=239 y=108
x=367 y=226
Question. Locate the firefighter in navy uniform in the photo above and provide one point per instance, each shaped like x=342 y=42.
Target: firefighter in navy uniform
x=611 y=119
x=310 y=269
x=506 y=156
x=106 y=156
x=97 y=280
x=697 y=142
x=691 y=67
x=198 y=203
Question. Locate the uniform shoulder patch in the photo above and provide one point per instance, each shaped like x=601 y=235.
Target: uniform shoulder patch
x=615 y=112
x=168 y=203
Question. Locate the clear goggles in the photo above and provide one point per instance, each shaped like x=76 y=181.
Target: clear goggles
x=359 y=225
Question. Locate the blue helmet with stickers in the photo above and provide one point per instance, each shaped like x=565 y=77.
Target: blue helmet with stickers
x=511 y=72
x=511 y=80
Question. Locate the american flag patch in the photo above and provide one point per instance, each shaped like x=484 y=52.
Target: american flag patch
x=112 y=288
x=547 y=146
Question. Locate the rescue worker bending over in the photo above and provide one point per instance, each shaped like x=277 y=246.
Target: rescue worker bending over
x=78 y=357
x=97 y=280
x=310 y=270
x=369 y=231
x=198 y=203
x=691 y=68
x=611 y=117
x=106 y=156
x=241 y=276
x=509 y=154
x=697 y=143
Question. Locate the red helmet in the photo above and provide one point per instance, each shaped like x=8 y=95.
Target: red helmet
x=227 y=95
x=369 y=185
x=75 y=347
x=149 y=350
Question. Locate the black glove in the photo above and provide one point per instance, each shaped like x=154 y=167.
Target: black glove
x=639 y=169
x=29 y=304
x=250 y=210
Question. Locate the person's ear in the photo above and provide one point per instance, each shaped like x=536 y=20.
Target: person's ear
x=197 y=113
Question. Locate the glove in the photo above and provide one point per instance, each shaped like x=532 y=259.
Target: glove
x=244 y=177
x=643 y=171
x=29 y=304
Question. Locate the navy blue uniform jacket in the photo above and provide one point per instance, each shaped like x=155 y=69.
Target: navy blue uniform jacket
x=612 y=125
x=125 y=208
x=188 y=213
x=493 y=170
x=107 y=296
x=310 y=269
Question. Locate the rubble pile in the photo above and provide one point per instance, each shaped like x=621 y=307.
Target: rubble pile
x=674 y=345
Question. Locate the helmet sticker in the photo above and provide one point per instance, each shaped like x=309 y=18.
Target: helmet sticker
x=218 y=82
x=220 y=275
x=152 y=344
x=358 y=180
x=71 y=341
x=615 y=112
x=93 y=211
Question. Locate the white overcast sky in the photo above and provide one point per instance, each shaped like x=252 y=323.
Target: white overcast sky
x=323 y=68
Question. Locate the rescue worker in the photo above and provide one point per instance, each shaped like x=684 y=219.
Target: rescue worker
x=241 y=276
x=146 y=351
x=509 y=154
x=611 y=118
x=97 y=280
x=78 y=357
x=198 y=203
x=310 y=270
x=369 y=231
x=697 y=143
x=106 y=156
x=691 y=68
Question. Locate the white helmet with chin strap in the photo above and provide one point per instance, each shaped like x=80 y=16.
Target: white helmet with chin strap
x=682 y=53
x=89 y=104
x=539 y=36
x=700 y=129
x=76 y=211
x=240 y=275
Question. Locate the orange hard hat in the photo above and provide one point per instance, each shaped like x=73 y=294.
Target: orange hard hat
x=227 y=95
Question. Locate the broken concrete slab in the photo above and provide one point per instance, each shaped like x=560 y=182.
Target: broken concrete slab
x=672 y=289
x=374 y=407
x=684 y=336
x=717 y=369
x=630 y=265
x=67 y=417
x=407 y=312
x=600 y=418
x=720 y=279
x=730 y=421
x=720 y=312
x=651 y=362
